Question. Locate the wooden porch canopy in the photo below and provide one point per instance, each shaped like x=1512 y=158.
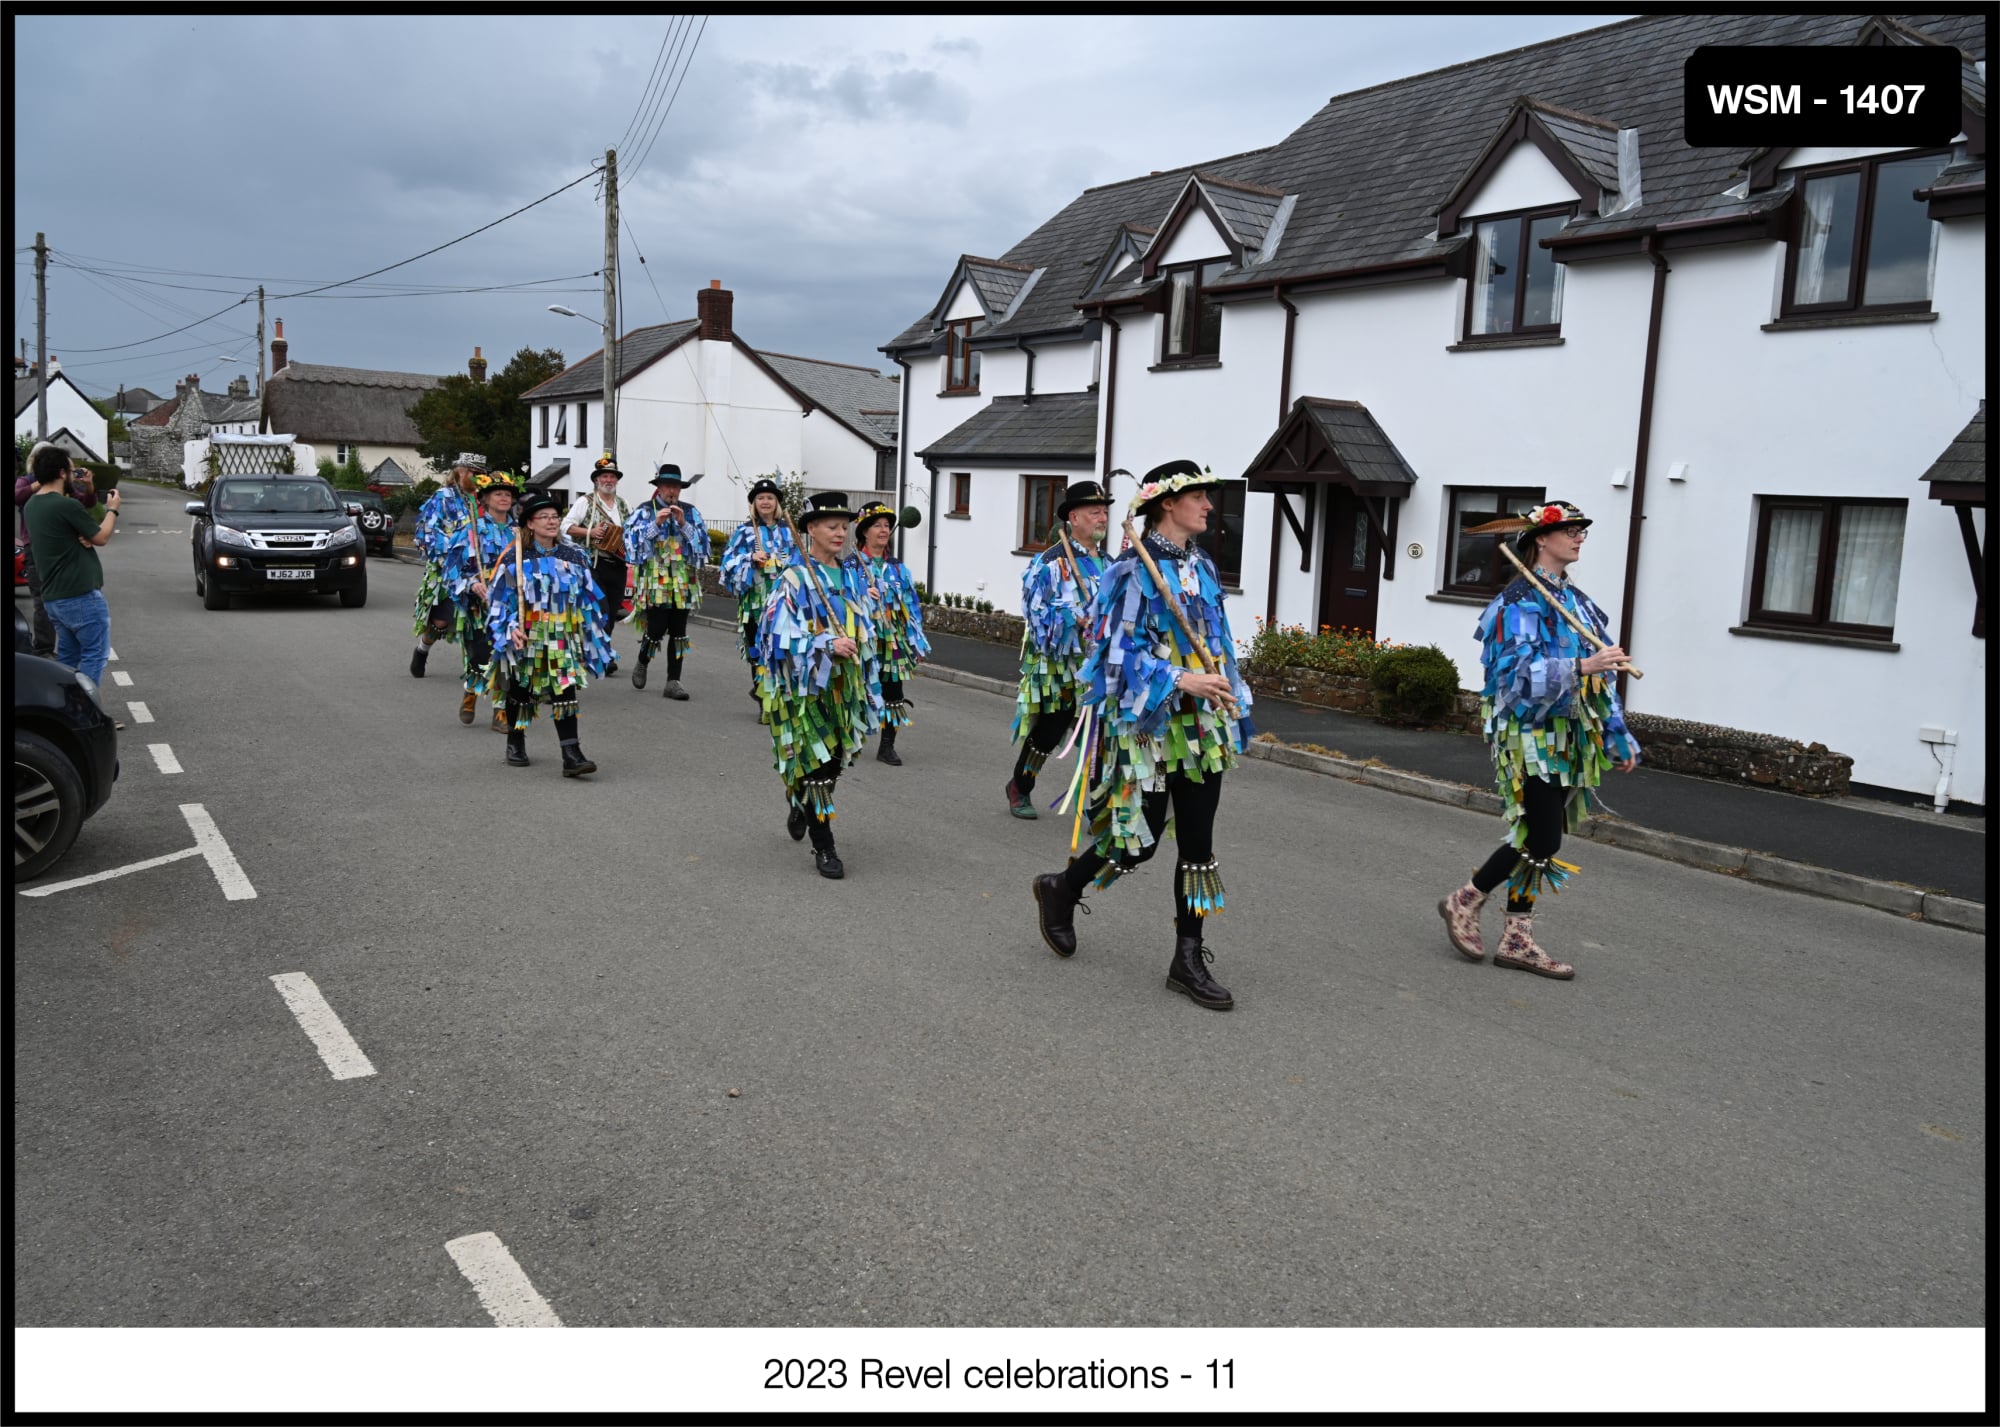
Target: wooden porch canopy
x=1958 y=479
x=1327 y=442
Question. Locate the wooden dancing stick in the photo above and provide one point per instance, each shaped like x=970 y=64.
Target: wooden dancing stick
x=1574 y=623
x=1199 y=649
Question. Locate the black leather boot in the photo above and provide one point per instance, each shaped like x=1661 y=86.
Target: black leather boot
x=796 y=824
x=886 y=752
x=575 y=765
x=1189 y=975
x=517 y=748
x=417 y=657
x=1056 y=908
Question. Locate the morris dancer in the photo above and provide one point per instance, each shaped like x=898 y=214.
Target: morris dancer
x=899 y=620
x=818 y=677
x=668 y=542
x=1056 y=593
x=440 y=521
x=1166 y=729
x=758 y=552
x=596 y=521
x=468 y=572
x=1553 y=725
x=546 y=617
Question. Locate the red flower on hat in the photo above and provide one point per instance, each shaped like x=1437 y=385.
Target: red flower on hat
x=1551 y=514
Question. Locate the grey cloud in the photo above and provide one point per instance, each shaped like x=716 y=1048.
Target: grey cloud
x=856 y=91
x=963 y=44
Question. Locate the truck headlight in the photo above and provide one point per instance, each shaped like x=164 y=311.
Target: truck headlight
x=230 y=535
x=346 y=535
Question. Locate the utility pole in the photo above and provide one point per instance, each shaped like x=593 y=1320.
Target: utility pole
x=260 y=341
x=611 y=302
x=41 y=338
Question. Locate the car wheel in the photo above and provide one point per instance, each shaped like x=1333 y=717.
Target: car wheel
x=200 y=578
x=213 y=596
x=48 y=805
x=354 y=598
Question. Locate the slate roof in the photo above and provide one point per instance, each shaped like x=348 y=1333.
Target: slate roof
x=389 y=473
x=1591 y=141
x=1354 y=436
x=860 y=397
x=549 y=474
x=344 y=404
x=1246 y=212
x=998 y=283
x=216 y=408
x=1372 y=168
x=1964 y=460
x=1059 y=428
x=26 y=389
x=137 y=402
x=639 y=349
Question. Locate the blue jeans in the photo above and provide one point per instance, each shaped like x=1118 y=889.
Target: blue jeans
x=83 y=632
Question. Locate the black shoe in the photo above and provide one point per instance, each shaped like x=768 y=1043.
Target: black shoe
x=673 y=690
x=1056 y=909
x=1019 y=803
x=517 y=748
x=796 y=823
x=1189 y=975
x=575 y=765
x=638 y=673
x=886 y=753
x=417 y=658
x=828 y=862
x=611 y=668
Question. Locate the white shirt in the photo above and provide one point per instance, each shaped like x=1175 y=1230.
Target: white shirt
x=588 y=504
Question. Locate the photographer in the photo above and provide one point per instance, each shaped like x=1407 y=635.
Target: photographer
x=82 y=489
x=63 y=541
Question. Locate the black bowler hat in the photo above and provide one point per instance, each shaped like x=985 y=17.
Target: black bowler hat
x=827 y=505
x=766 y=486
x=1169 y=478
x=605 y=466
x=873 y=511
x=498 y=481
x=669 y=473
x=535 y=501
x=1082 y=493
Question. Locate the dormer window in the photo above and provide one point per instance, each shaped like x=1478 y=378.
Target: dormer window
x=961 y=363
x=1516 y=283
x=1862 y=241
x=1194 y=323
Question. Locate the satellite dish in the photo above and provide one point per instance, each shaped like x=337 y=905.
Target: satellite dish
x=910 y=518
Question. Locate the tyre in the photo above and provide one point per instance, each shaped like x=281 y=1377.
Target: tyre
x=354 y=598
x=48 y=804
x=200 y=578
x=213 y=596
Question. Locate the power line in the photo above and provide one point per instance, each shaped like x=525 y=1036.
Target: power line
x=631 y=124
x=287 y=296
x=417 y=289
x=144 y=341
x=689 y=64
x=653 y=104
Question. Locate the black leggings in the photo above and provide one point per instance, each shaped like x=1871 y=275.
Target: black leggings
x=1045 y=735
x=438 y=621
x=1194 y=807
x=478 y=652
x=610 y=576
x=1542 y=804
x=666 y=624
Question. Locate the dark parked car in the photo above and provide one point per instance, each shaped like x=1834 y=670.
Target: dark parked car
x=277 y=532
x=65 y=756
x=378 y=526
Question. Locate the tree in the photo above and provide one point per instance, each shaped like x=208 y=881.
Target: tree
x=460 y=414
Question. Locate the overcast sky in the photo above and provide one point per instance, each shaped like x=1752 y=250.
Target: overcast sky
x=827 y=169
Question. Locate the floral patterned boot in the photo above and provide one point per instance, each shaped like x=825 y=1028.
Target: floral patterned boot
x=1518 y=949
x=1460 y=911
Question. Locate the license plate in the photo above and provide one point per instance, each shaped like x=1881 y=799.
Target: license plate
x=289 y=572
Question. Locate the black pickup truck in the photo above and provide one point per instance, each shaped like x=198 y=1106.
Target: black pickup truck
x=259 y=533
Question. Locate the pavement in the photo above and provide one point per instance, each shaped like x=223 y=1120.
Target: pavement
x=1884 y=855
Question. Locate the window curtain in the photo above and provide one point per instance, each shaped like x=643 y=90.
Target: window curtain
x=1177 y=314
x=1791 y=561
x=1867 y=565
x=1812 y=249
x=1486 y=235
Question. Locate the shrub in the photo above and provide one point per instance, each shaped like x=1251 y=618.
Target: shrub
x=1329 y=651
x=1414 y=685
x=986 y=606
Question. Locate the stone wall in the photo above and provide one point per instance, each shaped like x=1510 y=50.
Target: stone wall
x=997 y=627
x=1349 y=693
x=1737 y=756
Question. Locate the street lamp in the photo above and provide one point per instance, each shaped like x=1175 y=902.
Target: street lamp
x=610 y=376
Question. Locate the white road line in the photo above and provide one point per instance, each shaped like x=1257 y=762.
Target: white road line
x=336 y=1047
x=140 y=713
x=163 y=754
x=504 y=1291
x=114 y=872
x=111 y=656
x=122 y=679
x=221 y=861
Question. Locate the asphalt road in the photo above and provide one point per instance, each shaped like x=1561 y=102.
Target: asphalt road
x=1751 y=1107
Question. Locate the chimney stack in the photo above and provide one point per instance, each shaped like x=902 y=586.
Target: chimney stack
x=278 y=348
x=239 y=390
x=713 y=305
x=194 y=381
x=477 y=366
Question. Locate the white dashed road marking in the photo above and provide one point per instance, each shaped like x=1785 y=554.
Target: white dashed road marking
x=111 y=656
x=221 y=861
x=122 y=679
x=140 y=713
x=163 y=754
x=504 y=1291
x=336 y=1047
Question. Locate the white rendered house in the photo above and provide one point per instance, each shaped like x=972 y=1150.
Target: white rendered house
x=1470 y=291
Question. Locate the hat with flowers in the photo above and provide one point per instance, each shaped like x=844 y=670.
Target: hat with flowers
x=1167 y=479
